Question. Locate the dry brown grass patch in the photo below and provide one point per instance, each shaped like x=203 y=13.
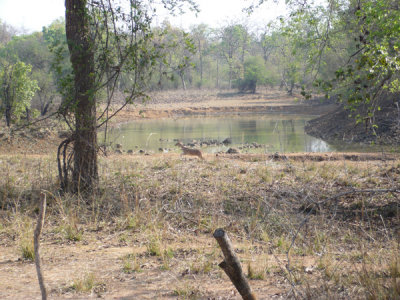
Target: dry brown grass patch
x=295 y=230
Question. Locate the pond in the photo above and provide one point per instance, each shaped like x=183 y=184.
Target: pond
x=250 y=133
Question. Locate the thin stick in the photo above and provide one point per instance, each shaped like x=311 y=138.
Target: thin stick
x=39 y=226
x=231 y=266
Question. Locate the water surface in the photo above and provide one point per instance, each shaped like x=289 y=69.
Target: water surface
x=275 y=132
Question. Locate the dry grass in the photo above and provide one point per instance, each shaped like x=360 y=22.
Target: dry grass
x=153 y=218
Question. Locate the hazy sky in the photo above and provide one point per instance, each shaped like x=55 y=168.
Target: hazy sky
x=32 y=15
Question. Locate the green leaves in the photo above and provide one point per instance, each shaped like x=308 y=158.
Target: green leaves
x=352 y=49
x=254 y=73
x=16 y=91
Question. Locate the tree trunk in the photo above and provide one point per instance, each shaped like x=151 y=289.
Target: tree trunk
x=8 y=115
x=182 y=75
x=201 y=65
x=28 y=114
x=160 y=71
x=77 y=25
x=7 y=97
x=44 y=109
x=290 y=90
x=230 y=76
x=217 y=74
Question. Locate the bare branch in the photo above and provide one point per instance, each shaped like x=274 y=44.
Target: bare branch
x=38 y=230
x=231 y=266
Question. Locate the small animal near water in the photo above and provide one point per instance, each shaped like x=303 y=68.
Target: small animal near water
x=191 y=152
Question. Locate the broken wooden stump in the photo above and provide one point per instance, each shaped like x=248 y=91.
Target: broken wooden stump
x=36 y=240
x=232 y=267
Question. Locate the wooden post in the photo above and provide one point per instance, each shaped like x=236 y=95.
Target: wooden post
x=231 y=266
x=36 y=239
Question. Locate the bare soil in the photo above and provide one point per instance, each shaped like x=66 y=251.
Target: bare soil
x=340 y=125
x=102 y=254
x=212 y=102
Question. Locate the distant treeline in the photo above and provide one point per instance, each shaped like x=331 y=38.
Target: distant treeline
x=342 y=49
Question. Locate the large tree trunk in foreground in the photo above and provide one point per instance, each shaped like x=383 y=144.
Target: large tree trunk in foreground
x=85 y=173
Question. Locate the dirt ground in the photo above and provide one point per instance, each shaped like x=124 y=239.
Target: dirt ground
x=102 y=254
x=181 y=103
x=340 y=125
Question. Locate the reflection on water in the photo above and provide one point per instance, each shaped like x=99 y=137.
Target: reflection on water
x=282 y=133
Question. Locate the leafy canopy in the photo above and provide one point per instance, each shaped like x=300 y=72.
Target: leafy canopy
x=16 y=91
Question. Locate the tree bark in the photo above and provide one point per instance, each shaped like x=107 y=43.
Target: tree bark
x=80 y=44
x=217 y=73
x=182 y=76
x=201 y=63
x=7 y=96
x=38 y=230
x=8 y=115
x=231 y=266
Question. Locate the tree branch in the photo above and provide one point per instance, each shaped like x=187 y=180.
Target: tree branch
x=38 y=230
x=231 y=266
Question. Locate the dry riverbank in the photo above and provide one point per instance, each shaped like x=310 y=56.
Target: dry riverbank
x=175 y=104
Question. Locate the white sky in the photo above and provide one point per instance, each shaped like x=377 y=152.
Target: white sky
x=32 y=15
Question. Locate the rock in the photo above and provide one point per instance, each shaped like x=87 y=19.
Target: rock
x=227 y=141
x=233 y=151
x=214 y=142
x=277 y=156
